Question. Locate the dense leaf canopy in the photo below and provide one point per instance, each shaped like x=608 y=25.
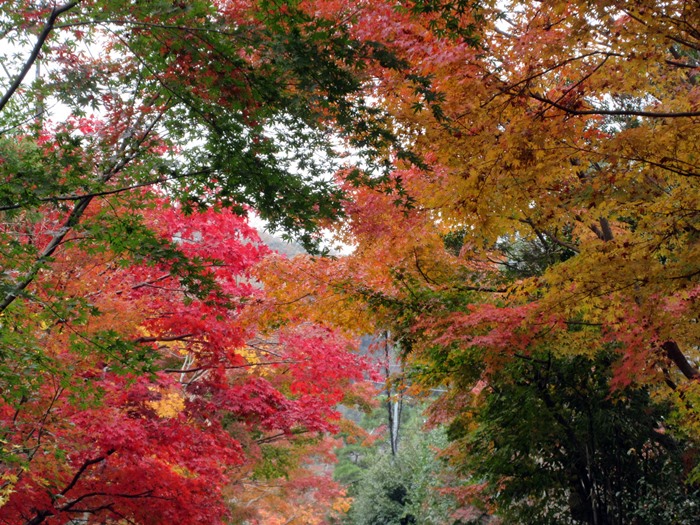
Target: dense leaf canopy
x=518 y=181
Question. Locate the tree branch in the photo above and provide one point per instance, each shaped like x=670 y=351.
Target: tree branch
x=487 y=289
x=420 y=270
x=115 y=165
x=83 y=468
x=674 y=353
x=209 y=367
x=614 y=112
x=164 y=338
x=41 y=515
x=549 y=236
x=70 y=222
x=48 y=27
x=605 y=227
x=114 y=191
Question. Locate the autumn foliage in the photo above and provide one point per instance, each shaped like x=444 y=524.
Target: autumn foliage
x=518 y=182
x=139 y=381
x=89 y=435
x=554 y=213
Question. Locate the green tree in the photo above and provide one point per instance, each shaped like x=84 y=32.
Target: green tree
x=399 y=488
x=553 y=445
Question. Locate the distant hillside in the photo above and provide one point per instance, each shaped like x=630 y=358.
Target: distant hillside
x=277 y=244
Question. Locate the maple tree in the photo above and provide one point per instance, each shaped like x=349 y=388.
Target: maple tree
x=306 y=494
x=556 y=127
x=153 y=405
x=136 y=381
x=558 y=211
x=549 y=203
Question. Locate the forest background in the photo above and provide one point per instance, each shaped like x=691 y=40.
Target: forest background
x=522 y=202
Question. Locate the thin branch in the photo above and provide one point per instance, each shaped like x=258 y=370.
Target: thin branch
x=420 y=270
x=146 y=283
x=151 y=25
x=264 y=350
x=582 y=323
x=165 y=338
x=549 y=236
x=581 y=80
x=48 y=27
x=509 y=88
x=209 y=367
x=114 y=191
x=614 y=112
x=683 y=276
x=144 y=494
x=275 y=437
x=488 y=289
x=69 y=223
x=88 y=463
x=293 y=300
x=76 y=214
x=30 y=118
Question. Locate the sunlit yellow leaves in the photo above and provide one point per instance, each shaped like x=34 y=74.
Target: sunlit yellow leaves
x=311 y=289
x=341 y=505
x=576 y=129
x=170 y=404
x=7 y=484
x=182 y=471
x=249 y=354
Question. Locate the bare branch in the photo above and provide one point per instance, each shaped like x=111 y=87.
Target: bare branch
x=88 y=463
x=208 y=367
x=162 y=338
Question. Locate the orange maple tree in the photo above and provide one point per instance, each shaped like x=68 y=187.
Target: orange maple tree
x=571 y=126
x=555 y=211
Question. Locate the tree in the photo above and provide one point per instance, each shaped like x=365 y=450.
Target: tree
x=134 y=374
x=559 y=145
x=292 y=485
x=149 y=408
x=547 y=442
x=529 y=141
x=403 y=486
x=197 y=102
x=548 y=124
